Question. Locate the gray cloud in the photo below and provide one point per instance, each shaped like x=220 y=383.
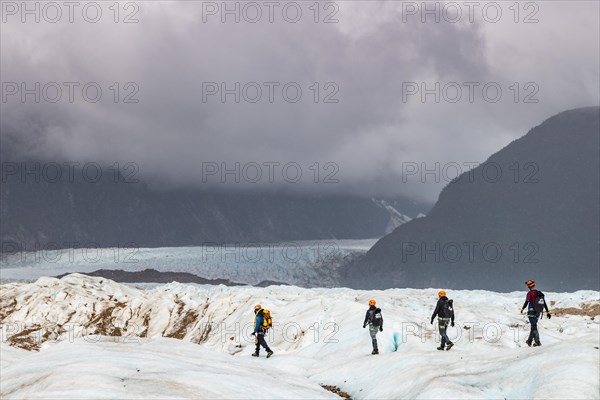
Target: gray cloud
x=371 y=133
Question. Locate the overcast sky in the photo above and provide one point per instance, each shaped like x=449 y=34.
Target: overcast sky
x=366 y=61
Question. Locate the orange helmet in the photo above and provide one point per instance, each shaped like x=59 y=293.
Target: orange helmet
x=372 y=302
x=441 y=293
x=530 y=283
x=257 y=307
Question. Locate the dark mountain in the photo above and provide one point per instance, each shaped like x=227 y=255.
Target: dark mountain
x=38 y=210
x=531 y=211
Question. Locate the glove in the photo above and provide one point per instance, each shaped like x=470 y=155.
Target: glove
x=548 y=315
x=253 y=333
x=452 y=324
x=381 y=329
x=364 y=326
x=522 y=310
x=431 y=321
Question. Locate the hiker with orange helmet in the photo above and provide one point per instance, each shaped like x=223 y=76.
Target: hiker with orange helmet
x=375 y=321
x=535 y=304
x=262 y=323
x=445 y=312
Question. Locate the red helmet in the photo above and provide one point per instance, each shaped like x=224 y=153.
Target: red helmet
x=530 y=283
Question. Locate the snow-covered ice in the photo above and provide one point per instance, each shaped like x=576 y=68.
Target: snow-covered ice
x=160 y=368
x=195 y=343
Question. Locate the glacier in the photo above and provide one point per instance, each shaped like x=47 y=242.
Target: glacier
x=89 y=337
x=300 y=263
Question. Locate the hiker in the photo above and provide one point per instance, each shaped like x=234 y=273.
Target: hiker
x=262 y=323
x=375 y=321
x=445 y=313
x=535 y=304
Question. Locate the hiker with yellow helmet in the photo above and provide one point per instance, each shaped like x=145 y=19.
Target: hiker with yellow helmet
x=535 y=304
x=445 y=312
x=375 y=321
x=262 y=323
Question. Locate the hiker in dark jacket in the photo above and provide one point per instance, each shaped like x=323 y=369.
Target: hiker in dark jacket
x=535 y=304
x=445 y=313
x=259 y=332
x=375 y=320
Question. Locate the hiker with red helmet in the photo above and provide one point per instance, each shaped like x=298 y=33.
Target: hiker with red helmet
x=375 y=321
x=535 y=304
x=262 y=323
x=445 y=312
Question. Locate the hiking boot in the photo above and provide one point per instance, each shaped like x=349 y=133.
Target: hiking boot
x=255 y=354
x=528 y=343
x=375 y=351
x=269 y=353
x=536 y=344
x=449 y=346
x=441 y=348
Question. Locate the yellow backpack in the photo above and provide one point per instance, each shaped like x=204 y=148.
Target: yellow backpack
x=267 y=320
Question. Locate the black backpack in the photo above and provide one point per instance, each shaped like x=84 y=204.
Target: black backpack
x=376 y=317
x=446 y=309
x=539 y=303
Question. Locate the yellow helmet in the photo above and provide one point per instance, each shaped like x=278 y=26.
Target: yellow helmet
x=441 y=293
x=372 y=302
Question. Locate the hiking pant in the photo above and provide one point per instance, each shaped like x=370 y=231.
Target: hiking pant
x=260 y=341
x=373 y=332
x=443 y=326
x=533 y=333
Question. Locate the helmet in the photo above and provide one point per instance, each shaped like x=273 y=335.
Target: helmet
x=372 y=302
x=257 y=307
x=441 y=293
x=530 y=283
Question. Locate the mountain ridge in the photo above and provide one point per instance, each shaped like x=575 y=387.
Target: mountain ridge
x=542 y=214
x=109 y=214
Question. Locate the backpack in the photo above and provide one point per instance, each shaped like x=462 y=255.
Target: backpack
x=446 y=309
x=539 y=303
x=267 y=320
x=376 y=318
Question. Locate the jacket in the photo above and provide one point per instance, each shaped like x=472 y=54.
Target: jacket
x=369 y=316
x=258 y=322
x=440 y=310
x=530 y=300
